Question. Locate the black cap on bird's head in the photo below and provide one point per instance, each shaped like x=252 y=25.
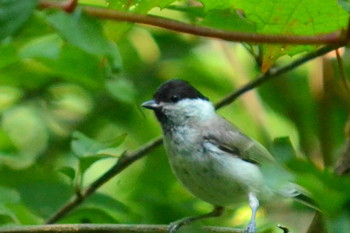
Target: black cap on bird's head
x=173 y=91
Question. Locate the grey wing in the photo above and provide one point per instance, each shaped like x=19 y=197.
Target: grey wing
x=228 y=138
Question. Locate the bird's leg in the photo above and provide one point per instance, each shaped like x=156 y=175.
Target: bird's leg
x=174 y=226
x=254 y=205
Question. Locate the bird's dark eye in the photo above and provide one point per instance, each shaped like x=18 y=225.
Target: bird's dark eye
x=175 y=98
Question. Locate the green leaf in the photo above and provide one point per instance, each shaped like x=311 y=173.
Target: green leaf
x=6 y=218
x=216 y=5
x=84 y=146
x=8 y=195
x=26 y=130
x=78 y=66
x=122 y=90
x=282 y=150
x=9 y=95
x=85 y=33
x=38 y=186
x=282 y=17
x=47 y=46
x=227 y=19
x=345 y=4
x=319 y=183
x=23 y=214
x=68 y=171
x=86 y=162
x=8 y=55
x=117 y=141
x=292 y=17
x=117 y=30
x=82 y=31
x=139 y=6
x=89 y=215
x=13 y=14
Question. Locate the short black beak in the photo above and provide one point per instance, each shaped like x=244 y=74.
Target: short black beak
x=151 y=104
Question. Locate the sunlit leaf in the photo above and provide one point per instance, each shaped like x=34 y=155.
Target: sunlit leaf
x=24 y=215
x=282 y=17
x=294 y=17
x=68 y=171
x=86 y=162
x=25 y=128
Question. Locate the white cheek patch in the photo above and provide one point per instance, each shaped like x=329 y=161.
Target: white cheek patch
x=199 y=108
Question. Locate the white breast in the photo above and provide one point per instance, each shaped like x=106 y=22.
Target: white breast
x=209 y=173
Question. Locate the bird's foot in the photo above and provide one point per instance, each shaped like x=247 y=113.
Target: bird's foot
x=174 y=226
x=251 y=227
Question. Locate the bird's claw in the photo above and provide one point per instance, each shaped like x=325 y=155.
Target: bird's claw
x=250 y=228
x=174 y=226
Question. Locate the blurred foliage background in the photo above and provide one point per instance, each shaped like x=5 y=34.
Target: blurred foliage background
x=71 y=87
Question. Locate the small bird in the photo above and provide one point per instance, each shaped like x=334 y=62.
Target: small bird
x=210 y=156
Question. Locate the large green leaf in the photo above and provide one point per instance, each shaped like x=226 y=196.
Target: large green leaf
x=227 y=19
x=86 y=33
x=282 y=17
x=216 y=5
x=80 y=30
x=292 y=17
x=13 y=14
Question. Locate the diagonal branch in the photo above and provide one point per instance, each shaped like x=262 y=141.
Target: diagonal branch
x=131 y=157
x=338 y=37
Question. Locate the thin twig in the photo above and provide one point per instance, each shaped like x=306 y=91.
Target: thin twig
x=107 y=228
x=131 y=157
x=275 y=72
x=169 y=24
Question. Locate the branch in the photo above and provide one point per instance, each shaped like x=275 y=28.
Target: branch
x=107 y=228
x=273 y=73
x=131 y=157
x=123 y=162
x=169 y=24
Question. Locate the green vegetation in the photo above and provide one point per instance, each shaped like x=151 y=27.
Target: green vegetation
x=71 y=85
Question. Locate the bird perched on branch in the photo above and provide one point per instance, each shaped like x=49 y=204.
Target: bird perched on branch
x=211 y=157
